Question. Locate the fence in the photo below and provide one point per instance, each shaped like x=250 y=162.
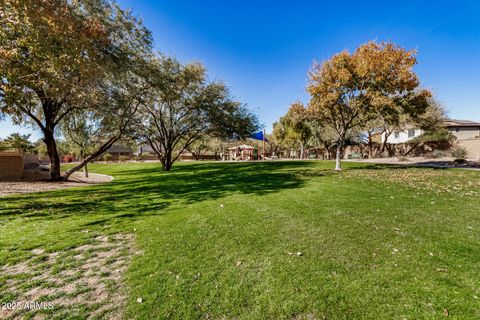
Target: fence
x=11 y=164
x=472 y=146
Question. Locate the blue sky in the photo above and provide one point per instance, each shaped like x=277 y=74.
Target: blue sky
x=263 y=49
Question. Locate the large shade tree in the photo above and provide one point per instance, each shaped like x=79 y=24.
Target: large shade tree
x=56 y=54
x=352 y=88
x=186 y=107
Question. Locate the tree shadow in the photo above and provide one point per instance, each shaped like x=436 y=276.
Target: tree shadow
x=404 y=166
x=144 y=191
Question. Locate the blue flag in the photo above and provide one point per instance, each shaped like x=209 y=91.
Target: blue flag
x=258 y=136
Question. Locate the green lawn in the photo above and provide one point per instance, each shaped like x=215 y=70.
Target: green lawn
x=220 y=241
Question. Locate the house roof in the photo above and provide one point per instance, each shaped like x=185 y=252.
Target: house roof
x=461 y=123
x=119 y=148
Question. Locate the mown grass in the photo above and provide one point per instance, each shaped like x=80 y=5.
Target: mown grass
x=220 y=240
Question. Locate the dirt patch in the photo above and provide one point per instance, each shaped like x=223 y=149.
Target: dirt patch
x=38 y=181
x=84 y=282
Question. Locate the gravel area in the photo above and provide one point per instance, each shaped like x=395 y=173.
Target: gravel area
x=38 y=181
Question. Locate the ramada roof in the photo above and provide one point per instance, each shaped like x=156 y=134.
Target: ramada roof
x=242 y=147
x=461 y=123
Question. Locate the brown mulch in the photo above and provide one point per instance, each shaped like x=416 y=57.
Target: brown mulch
x=37 y=181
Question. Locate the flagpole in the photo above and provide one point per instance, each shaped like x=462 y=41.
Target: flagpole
x=263 y=138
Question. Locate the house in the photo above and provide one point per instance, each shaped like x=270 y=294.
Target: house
x=461 y=129
x=402 y=136
x=118 y=150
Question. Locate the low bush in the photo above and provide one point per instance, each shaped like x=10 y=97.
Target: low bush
x=107 y=157
x=124 y=158
x=459 y=153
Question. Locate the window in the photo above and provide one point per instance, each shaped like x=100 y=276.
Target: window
x=397 y=134
x=411 y=133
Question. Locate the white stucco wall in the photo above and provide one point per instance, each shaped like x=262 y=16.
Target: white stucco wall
x=401 y=136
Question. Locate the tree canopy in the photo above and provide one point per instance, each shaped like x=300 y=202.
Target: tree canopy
x=17 y=141
x=294 y=128
x=352 y=88
x=185 y=107
x=56 y=57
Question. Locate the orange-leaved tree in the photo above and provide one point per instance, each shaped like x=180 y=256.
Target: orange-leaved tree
x=352 y=88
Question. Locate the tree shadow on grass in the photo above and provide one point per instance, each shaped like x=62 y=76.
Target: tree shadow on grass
x=405 y=166
x=146 y=190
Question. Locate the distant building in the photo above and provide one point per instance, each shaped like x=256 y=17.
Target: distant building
x=118 y=150
x=402 y=136
x=143 y=149
x=461 y=129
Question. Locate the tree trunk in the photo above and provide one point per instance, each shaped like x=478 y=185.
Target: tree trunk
x=82 y=157
x=167 y=166
x=326 y=154
x=413 y=147
x=49 y=140
x=91 y=157
x=338 y=164
x=370 y=146
x=385 y=140
x=167 y=162
x=301 y=150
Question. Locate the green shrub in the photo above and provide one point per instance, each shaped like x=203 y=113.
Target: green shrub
x=459 y=153
x=145 y=154
x=124 y=158
x=107 y=157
